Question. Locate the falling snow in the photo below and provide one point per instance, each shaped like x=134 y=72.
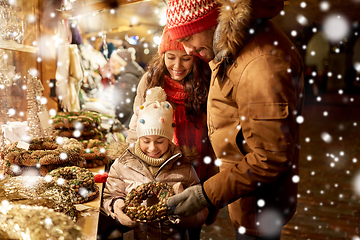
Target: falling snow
x=270 y=222
x=324 y=6
x=261 y=203
x=299 y=119
x=295 y=179
x=63 y=156
x=302 y=20
x=242 y=230
x=83 y=192
x=59 y=140
x=60 y=181
x=207 y=160
x=329 y=151
x=356 y=183
x=326 y=137
x=336 y=27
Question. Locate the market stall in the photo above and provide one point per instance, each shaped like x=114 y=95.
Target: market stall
x=51 y=148
x=57 y=116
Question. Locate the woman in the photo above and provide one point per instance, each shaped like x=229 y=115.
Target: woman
x=185 y=80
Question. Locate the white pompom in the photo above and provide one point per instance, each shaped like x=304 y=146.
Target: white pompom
x=155 y=94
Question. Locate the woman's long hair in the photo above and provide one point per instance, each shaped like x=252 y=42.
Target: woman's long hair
x=196 y=83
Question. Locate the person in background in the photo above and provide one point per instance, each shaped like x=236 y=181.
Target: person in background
x=255 y=97
x=107 y=50
x=152 y=158
x=185 y=80
x=126 y=73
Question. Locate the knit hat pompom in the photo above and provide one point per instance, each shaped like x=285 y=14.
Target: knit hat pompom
x=155 y=115
x=155 y=94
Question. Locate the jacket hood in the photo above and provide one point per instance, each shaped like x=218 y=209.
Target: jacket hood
x=234 y=21
x=189 y=154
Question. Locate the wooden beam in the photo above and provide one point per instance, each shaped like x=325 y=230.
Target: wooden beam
x=93 y=7
x=84 y=9
x=126 y=2
x=113 y=30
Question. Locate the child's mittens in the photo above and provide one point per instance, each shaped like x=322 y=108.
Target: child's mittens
x=178 y=188
x=121 y=216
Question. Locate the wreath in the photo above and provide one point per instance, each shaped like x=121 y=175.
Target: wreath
x=71 y=119
x=81 y=125
x=95 y=153
x=79 y=179
x=43 y=155
x=157 y=212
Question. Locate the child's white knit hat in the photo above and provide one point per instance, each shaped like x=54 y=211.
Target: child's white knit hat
x=155 y=115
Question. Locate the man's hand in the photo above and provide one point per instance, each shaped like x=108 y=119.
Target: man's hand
x=121 y=216
x=189 y=202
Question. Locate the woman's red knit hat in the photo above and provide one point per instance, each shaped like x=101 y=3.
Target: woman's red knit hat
x=168 y=44
x=188 y=17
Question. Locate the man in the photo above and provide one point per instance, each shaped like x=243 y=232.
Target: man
x=255 y=97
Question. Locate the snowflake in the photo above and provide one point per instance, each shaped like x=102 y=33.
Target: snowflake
x=270 y=222
x=356 y=183
x=242 y=230
x=63 y=156
x=207 y=160
x=336 y=27
x=295 y=178
x=326 y=137
x=261 y=203
x=83 y=192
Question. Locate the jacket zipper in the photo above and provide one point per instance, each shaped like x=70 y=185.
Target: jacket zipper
x=162 y=165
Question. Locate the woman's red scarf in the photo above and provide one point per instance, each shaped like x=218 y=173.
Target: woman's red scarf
x=186 y=132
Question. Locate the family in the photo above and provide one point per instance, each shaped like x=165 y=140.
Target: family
x=215 y=118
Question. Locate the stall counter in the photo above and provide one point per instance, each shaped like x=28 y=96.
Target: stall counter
x=89 y=217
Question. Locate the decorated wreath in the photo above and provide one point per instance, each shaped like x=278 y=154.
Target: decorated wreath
x=157 y=212
x=71 y=119
x=95 y=153
x=19 y=221
x=81 y=125
x=43 y=155
x=80 y=134
x=39 y=191
x=80 y=179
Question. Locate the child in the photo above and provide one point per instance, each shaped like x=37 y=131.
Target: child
x=152 y=158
